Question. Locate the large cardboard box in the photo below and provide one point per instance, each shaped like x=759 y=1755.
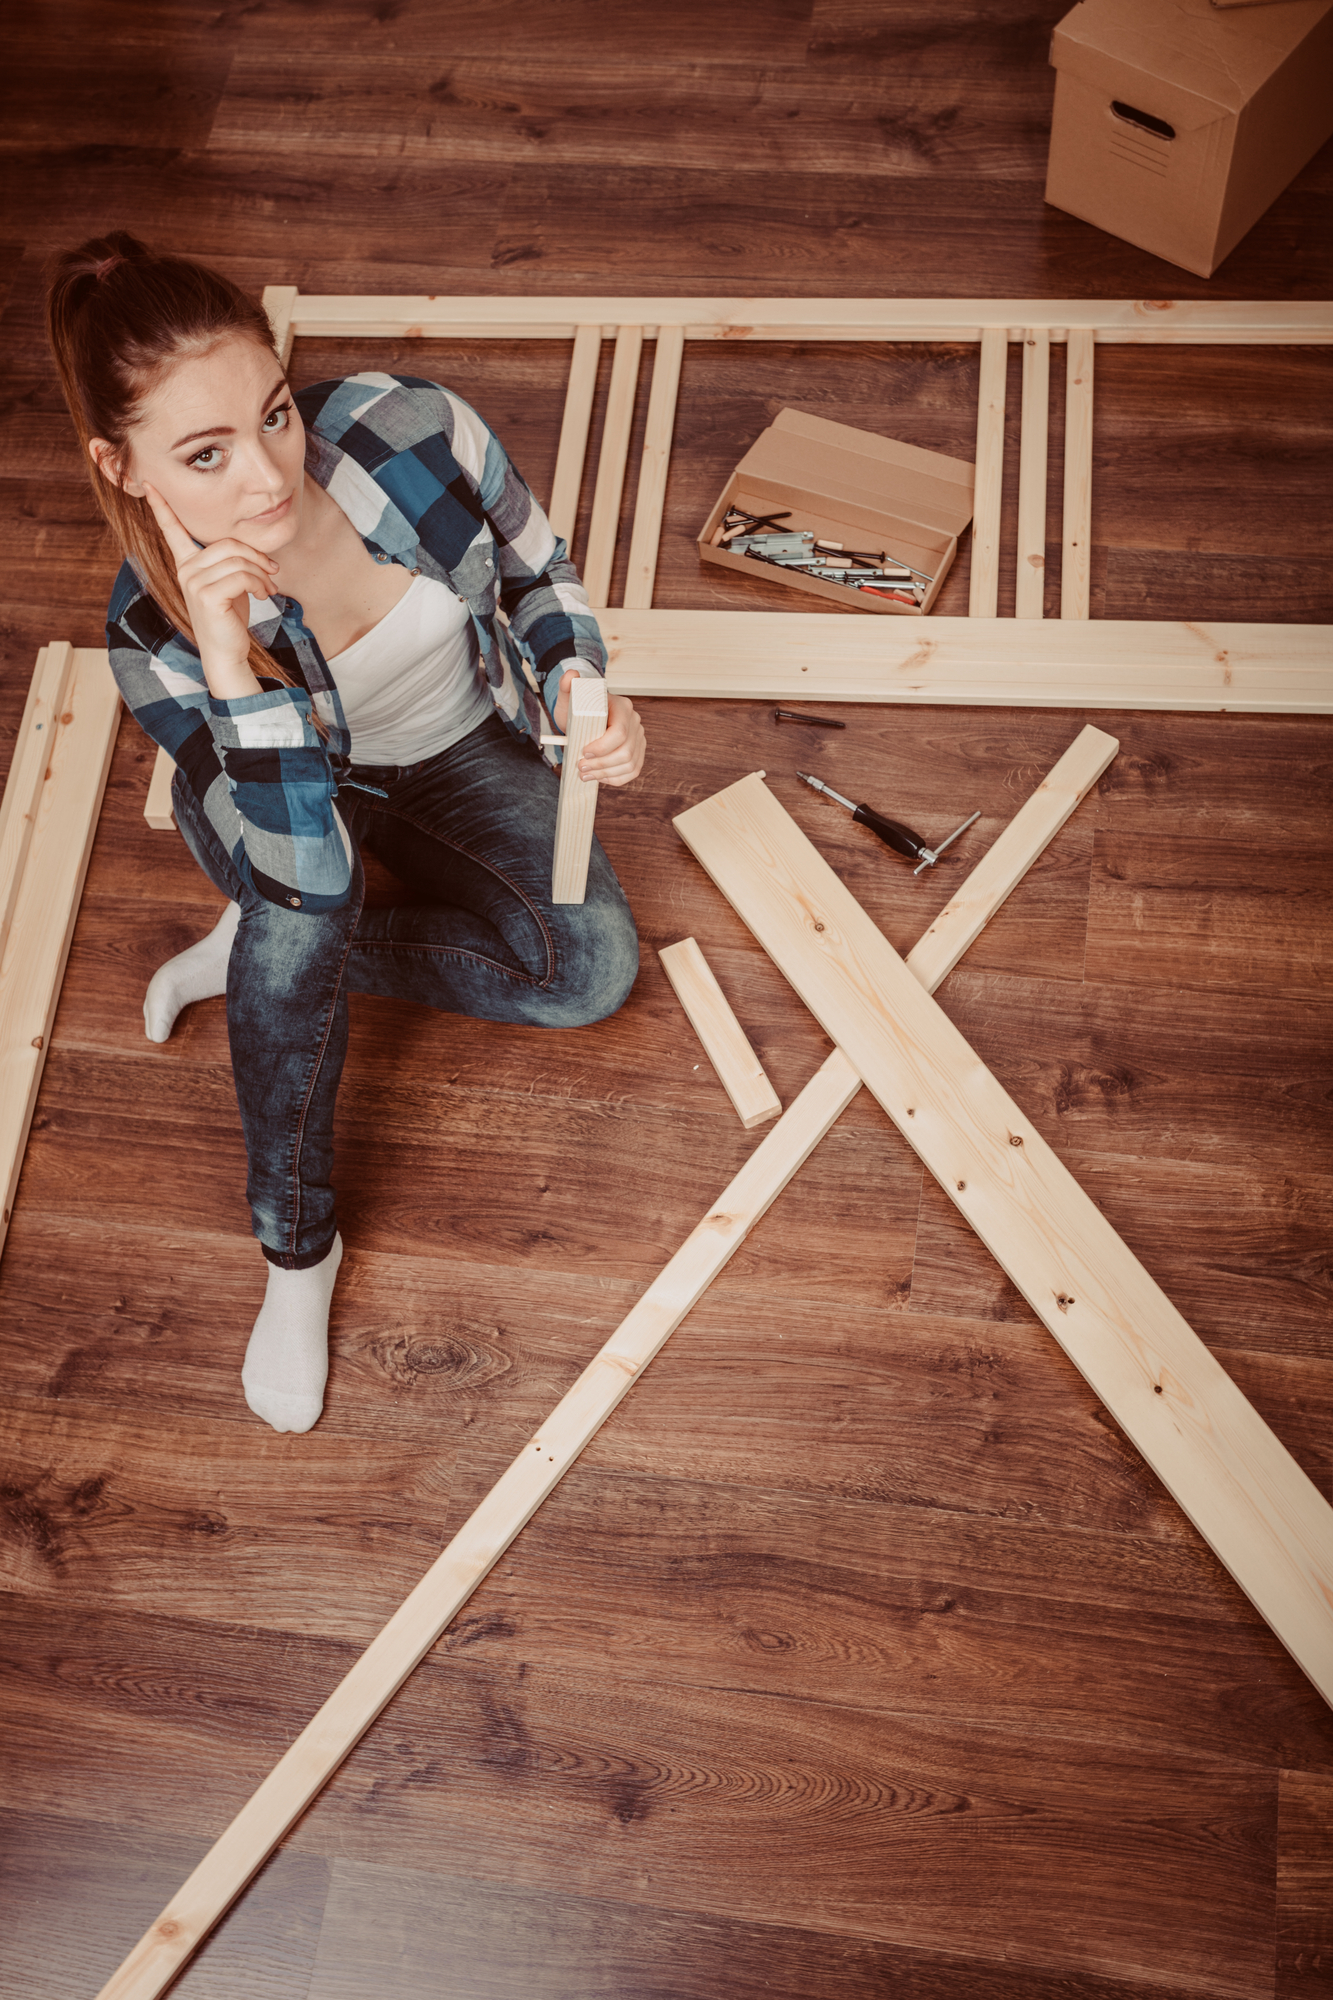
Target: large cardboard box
x=852 y=487
x=1177 y=122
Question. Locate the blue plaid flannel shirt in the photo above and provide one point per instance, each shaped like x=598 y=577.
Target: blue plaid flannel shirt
x=425 y=483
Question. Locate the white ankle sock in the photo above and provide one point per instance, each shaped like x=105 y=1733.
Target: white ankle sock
x=287 y=1360
x=197 y=974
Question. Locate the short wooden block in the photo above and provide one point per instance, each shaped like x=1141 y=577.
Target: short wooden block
x=157 y=806
x=578 y=801
x=725 y=1042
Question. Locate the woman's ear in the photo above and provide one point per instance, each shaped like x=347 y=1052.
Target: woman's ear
x=108 y=464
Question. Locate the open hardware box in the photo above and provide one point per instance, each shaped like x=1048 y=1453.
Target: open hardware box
x=852 y=487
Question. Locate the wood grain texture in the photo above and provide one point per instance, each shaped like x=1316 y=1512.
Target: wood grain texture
x=1304 y=1885
x=605 y=524
x=739 y=1069
x=1030 y=559
x=578 y=796
x=984 y=581
x=654 y=467
x=1244 y=1493
x=579 y=392
x=1075 y=570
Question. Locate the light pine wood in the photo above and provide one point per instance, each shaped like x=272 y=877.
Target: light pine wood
x=725 y=1042
x=280 y=305
x=605 y=523
x=64 y=820
x=653 y=467
x=1261 y=1515
x=1009 y=857
x=335 y=1730
x=1102 y=663
x=563 y=511
x=1140 y=322
x=1076 y=566
x=984 y=582
x=29 y=770
x=577 y=805
x=157 y=806
x=1030 y=562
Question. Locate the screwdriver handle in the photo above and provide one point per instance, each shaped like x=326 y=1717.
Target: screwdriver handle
x=892 y=832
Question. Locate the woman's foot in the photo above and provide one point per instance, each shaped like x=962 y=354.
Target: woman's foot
x=287 y=1360
x=197 y=974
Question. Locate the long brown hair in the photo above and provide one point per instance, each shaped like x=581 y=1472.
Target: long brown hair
x=117 y=316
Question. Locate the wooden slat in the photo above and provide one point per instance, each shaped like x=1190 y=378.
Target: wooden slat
x=28 y=770
x=1147 y=322
x=578 y=800
x=1104 y=663
x=1009 y=857
x=47 y=902
x=984 y=584
x=653 y=468
x=563 y=511
x=1075 y=569
x=354 y=1704
x=280 y=305
x=605 y=523
x=1030 y=561
x=725 y=1042
x=1246 y=1495
x=157 y=806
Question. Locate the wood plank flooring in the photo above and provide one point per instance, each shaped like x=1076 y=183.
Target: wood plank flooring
x=860 y=1654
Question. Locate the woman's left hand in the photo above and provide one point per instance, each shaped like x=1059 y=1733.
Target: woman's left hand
x=616 y=758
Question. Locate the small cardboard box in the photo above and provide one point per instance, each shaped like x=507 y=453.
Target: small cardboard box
x=852 y=487
x=1177 y=122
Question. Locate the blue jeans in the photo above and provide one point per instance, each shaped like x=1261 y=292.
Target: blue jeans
x=469 y=833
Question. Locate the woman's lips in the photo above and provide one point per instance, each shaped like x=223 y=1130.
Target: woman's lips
x=274 y=513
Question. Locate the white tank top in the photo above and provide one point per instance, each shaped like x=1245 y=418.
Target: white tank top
x=410 y=687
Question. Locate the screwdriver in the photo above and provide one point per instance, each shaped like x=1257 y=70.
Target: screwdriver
x=891 y=831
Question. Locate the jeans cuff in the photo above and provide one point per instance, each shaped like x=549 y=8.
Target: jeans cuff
x=287 y=1260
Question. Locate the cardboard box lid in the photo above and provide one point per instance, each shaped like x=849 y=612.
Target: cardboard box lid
x=1182 y=60
x=836 y=461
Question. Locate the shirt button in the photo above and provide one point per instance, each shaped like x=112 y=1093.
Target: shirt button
x=381 y=558
x=295 y=902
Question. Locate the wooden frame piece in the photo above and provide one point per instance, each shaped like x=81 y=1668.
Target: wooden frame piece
x=724 y=1040
x=604 y=527
x=1076 y=564
x=332 y=1733
x=1252 y=1503
x=563 y=512
x=577 y=804
x=984 y=583
x=47 y=826
x=653 y=468
x=1030 y=562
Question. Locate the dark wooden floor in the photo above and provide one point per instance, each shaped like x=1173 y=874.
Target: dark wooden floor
x=861 y=1654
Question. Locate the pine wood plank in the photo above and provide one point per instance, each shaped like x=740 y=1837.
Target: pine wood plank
x=29 y=771
x=577 y=803
x=984 y=582
x=725 y=1042
x=280 y=304
x=605 y=524
x=565 y=487
x=47 y=902
x=1076 y=567
x=768 y=655
x=654 y=466
x=157 y=806
x=1030 y=560
x=1249 y=1499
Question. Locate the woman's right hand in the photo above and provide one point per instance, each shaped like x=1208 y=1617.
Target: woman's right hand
x=217 y=582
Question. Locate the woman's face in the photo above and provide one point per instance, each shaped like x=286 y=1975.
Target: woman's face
x=221 y=440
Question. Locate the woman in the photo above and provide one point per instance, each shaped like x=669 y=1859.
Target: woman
x=308 y=619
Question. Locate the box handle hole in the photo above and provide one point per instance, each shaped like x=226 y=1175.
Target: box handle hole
x=1145 y=119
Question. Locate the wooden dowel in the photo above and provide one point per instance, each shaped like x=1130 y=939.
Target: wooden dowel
x=605 y=523
x=280 y=305
x=29 y=770
x=984 y=584
x=339 y=1725
x=1076 y=565
x=724 y=1040
x=1030 y=572
x=653 y=467
x=50 y=882
x=563 y=512
x=157 y=806
x=577 y=805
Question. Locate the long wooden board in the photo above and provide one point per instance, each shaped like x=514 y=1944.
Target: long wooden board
x=577 y=804
x=1243 y=1491
x=1005 y=662
x=30 y=770
x=349 y=1711
x=64 y=810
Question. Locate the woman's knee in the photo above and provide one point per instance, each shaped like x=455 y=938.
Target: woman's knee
x=597 y=961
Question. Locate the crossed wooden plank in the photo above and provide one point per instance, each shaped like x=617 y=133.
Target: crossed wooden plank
x=338 y=1726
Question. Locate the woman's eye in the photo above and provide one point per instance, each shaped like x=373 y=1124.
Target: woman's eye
x=277 y=419
x=207 y=460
